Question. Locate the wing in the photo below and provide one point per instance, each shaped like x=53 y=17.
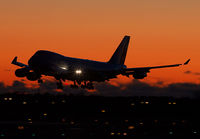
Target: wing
x=128 y=71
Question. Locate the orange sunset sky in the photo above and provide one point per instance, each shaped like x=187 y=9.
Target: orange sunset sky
x=162 y=32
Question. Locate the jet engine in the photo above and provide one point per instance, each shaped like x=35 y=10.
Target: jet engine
x=32 y=76
x=21 y=72
x=139 y=75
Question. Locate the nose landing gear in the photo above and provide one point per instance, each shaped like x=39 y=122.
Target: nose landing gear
x=40 y=81
x=59 y=85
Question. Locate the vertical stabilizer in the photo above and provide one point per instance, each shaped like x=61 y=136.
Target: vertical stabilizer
x=120 y=54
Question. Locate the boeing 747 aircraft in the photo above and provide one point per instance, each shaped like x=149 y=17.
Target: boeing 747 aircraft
x=81 y=71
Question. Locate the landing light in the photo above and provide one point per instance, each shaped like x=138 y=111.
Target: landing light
x=78 y=71
x=63 y=67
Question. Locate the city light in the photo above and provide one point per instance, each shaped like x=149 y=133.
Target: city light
x=132 y=104
x=141 y=123
x=131 y=127
x=20 y=127
x=72 y=122
x=142 y=102
x=103 y=110
x=170 y=132
x=63 y=101
x=126 y=121
x=106 y=123
x=112 y=133
x=195 y=132
x=125 y=134
x=63 y=120
x=173 y=123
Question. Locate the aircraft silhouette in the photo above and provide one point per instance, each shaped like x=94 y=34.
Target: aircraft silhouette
x=81 y=71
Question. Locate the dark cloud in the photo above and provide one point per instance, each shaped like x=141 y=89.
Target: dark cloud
x=187 y=72
x=193 y=73
x=17 y=86
x=197 y=73
x=135 y=88
x=7 y=70
x=160 y=83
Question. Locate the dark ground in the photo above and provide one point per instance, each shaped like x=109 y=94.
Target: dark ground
x=61 y=116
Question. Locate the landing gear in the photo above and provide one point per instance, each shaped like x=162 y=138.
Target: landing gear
x=90 y=86
x=78 y=82
x=84 y=85
x=33 y=76
x=59 y=85
x=74 y=85
x=87 y=85
x=40 y=81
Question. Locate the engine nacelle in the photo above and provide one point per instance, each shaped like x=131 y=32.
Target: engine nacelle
x=139 y=75
x=32 y=76
x=21 y=72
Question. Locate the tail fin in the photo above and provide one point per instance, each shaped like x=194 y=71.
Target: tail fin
x=120 y=54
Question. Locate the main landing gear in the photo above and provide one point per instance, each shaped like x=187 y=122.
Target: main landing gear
x=40 y=81
x=76 y=84
x=86 y=85
x=59 y=83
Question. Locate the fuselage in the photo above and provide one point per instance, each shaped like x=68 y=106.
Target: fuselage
x=59 y=66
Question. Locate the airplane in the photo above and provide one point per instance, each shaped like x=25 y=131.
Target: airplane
x=82 y=72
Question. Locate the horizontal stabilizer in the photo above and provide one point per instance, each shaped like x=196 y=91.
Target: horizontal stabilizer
x=18 y=63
